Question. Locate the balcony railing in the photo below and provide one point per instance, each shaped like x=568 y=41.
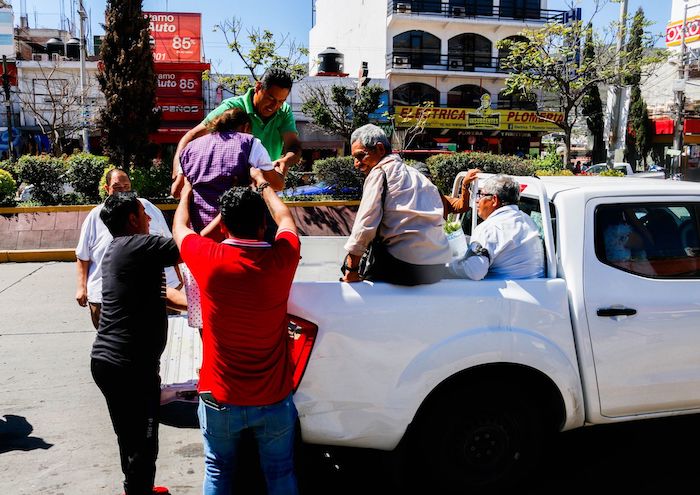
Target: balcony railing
x=462 y=62
x=473 y=11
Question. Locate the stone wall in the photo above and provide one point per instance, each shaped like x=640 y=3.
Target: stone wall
x=51 y=228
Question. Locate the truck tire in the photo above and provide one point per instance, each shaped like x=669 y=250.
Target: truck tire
x=481 y=440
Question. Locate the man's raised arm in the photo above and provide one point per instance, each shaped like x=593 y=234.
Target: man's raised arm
x=279 y=211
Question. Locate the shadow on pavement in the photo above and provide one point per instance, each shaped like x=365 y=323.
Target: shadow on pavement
x=14 y=435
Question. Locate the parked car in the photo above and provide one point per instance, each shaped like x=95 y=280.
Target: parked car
x=625 y=168
x=317 y=189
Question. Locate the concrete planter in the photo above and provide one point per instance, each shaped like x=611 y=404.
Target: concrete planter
x=51 y=232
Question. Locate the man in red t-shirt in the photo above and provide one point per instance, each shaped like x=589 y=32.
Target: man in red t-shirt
x=246 y=375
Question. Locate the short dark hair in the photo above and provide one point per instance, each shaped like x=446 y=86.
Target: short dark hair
x=274 y=76
x=116 y=210
x=111 y=172
x=230 y=120
x=242 y=211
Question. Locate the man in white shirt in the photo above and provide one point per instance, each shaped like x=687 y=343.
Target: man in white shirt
x=94 y=240
x=507 y=243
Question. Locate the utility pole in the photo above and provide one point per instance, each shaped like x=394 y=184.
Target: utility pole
x=8 y=108
x=679 y=89
x=614 y=139
x=83 y=108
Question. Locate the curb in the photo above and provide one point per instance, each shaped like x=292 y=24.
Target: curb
x=37 y=255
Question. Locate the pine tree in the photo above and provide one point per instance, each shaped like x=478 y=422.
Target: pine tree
x=592 y=106
x=637 y=125
x=128 y=82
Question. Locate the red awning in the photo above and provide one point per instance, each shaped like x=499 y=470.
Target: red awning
x=663 y=126
x=691 y=126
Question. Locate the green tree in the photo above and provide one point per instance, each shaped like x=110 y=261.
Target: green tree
x=340 y=109
x=637 y=139
x=265 y=52
x=592 y=106
x=548 y=61
x=128 y=82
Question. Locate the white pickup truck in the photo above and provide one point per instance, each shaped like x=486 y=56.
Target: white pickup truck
x=469 y=377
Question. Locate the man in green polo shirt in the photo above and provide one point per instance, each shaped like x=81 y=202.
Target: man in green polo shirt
x=272 y=121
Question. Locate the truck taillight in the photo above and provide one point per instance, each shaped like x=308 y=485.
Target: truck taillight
x=303 y=334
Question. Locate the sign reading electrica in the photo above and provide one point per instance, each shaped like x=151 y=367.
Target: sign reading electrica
x=177 y=37
x=174 y=84
x=478 y=118
x=674 y=31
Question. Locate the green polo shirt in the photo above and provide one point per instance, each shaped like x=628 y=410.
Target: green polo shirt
x=269 y=133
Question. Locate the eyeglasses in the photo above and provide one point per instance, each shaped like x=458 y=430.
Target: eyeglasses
x=480 y=195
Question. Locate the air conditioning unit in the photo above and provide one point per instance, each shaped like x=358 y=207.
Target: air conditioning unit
x=40 y=57
x=403 y=8
x=455 y=63
x=57 y=57
x=401 y=62
x=458 y=12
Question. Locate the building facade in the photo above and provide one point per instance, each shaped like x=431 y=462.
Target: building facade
x=442 y=63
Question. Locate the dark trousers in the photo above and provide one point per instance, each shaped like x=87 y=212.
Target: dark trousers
x=133 y=400
x=389 y=269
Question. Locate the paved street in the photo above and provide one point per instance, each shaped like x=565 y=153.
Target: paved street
x=56 y=438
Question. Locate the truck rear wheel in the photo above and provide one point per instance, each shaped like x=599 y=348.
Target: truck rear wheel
x=480 y=440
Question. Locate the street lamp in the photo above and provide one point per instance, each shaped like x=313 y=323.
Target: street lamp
x=83 y=108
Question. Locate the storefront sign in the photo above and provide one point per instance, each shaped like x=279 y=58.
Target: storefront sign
x=181 y=109
x=472 y=118
x=674 y=31
x=177 y=37
x=175 y=84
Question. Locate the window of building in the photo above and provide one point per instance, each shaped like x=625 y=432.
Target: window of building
x=473 y=50
x=471 y=7
x=504 y=52
x=657 y=240
x=415 y=94
x=520 y=9
x=466 y=96
x=421 y=48
x=517 y=101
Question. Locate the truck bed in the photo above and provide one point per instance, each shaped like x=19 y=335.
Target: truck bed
x=182 y=357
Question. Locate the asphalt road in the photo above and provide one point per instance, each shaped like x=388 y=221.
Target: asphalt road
x=56 y=437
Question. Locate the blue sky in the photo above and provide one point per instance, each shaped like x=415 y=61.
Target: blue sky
x=291 y=17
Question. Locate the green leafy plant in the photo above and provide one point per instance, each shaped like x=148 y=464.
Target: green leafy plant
x=444 y=168
x=452 y=224
x=550 y=162
x=611 y=173
x=84 y=173
x=46 y=173
x=8 y=186
x=152 y=182
x=339 y=172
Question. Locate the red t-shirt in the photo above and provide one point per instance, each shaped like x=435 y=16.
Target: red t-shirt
x=244 y=287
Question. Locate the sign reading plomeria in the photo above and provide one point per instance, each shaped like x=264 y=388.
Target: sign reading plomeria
x=478 y=118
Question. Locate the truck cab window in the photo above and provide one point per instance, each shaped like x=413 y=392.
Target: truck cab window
x=651 y=239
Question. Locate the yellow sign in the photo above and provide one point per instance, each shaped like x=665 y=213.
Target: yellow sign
x=478 y=118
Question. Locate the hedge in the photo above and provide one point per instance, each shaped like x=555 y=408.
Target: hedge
x=8 y=186
x=444 y=168
x=46 y=173
x=84 y=173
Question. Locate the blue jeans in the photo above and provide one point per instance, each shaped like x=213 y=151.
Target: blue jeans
x=273 y=427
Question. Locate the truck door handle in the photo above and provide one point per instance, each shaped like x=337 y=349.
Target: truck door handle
x=606 y=312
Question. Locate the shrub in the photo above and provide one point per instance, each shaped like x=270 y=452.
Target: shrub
x=46 y=173
x=11 y=167
x=444 y=168
x=8 y=186
x=340 y=173
x=84 y=173
x=153 y=182
x=551 y=162
x=611 y=173
x=542 y=173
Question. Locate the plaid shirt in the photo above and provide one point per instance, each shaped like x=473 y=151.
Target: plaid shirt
x=213 y=163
